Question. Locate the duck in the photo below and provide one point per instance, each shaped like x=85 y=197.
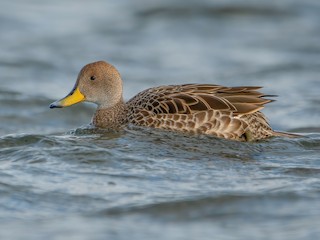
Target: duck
x=225 y=112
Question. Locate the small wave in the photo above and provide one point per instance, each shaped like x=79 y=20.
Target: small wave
x=222 y=204
x=21 y=140
x=215 y=11
x=303 y=171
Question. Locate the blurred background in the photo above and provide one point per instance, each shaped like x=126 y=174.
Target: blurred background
x=44 y=44
x=57 y=182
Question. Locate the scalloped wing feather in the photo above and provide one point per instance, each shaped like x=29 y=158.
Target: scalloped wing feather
x=191 y=98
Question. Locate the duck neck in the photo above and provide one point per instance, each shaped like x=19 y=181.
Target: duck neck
x=111 y=117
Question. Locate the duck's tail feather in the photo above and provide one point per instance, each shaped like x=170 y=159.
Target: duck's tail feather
x=286 y=134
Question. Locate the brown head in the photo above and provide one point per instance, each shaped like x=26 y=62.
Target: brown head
x=97 y=82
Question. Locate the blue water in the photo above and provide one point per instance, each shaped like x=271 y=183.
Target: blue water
x=59 y=179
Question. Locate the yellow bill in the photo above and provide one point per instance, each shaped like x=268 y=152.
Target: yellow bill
x=75 y=96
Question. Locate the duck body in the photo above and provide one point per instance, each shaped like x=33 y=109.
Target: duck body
x=226 y=112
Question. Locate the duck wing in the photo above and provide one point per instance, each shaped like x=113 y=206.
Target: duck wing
x=193 y=98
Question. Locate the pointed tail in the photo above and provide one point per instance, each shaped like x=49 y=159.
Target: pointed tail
x=285 y=134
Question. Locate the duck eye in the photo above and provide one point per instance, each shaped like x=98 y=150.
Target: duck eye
x=92 y=78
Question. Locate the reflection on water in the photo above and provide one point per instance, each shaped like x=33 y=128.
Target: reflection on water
x=59 y=177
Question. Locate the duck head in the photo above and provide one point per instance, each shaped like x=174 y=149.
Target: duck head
x=97 y=82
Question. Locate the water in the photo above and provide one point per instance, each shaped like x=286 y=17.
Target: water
x=60 y=179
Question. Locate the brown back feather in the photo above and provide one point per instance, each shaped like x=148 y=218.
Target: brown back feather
x=193 y=98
